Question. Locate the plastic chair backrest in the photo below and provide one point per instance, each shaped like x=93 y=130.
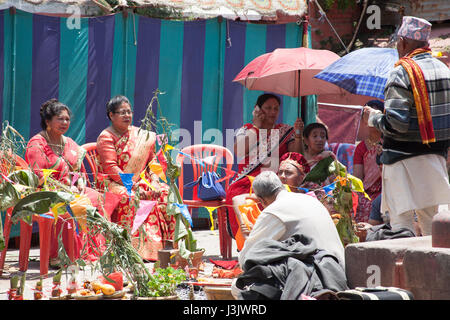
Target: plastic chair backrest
x=218 y=154
x=91 y=157
x=21 y=162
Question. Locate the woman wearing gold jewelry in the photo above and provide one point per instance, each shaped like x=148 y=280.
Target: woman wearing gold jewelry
x=50 y=149
x=124 y=148
x=258 y=147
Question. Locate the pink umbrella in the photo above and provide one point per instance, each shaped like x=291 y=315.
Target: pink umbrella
x=284 y=71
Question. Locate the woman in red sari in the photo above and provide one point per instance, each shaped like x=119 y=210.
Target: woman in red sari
x=50 y=149
x=124 y=148
x=259 y=146
x=366 y=168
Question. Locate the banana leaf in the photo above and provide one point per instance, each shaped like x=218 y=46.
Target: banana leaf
x=14 y=282
x=38 y=203
x=25 y=177
x=180 y=229
x=183 y=250
x=173 y=170
x=345 y=231
x=23 y=278
x=337 y=167
x=9 y=195
x=320 y=172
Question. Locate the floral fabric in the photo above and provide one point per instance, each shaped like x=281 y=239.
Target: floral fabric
x=253 y=161
x=371 y=181
x=131 y=153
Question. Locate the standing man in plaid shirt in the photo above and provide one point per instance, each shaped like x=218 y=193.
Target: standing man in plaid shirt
x=416 y=130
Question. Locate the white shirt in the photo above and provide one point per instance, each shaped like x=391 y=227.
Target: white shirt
x=267 y=226
x=306 y=216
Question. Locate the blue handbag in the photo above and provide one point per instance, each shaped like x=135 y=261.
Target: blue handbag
x=208 y=188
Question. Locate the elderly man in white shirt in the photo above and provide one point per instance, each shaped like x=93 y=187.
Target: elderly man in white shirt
x=286 y=213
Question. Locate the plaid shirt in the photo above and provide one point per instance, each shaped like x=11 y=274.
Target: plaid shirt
x=399 y=124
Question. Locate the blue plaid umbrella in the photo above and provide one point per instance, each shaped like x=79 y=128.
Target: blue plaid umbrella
x=364 y=71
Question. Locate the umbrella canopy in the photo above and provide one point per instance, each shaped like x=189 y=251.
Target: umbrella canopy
x=279 y=72
x=364 y=71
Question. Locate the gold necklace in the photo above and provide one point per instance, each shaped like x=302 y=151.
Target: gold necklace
x=57 y=148
x=371 y=143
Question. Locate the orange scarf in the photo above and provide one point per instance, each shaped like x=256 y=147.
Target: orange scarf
x=420 y=92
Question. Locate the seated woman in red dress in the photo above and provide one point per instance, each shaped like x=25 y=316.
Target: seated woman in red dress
x=50 y=149
x=258 y=147
x=124 y=148
x=365 y=167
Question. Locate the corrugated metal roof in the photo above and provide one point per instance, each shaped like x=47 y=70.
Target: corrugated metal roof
x=431 y=10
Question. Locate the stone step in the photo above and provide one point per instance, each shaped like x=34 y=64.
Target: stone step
x=407 y=263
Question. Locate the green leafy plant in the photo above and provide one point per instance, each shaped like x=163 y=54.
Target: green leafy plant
x=164 y=281
x=183 y=235
x=11 y=143
x=341 y=4
x=342 y=199
x=119 y=255
x=41 y=202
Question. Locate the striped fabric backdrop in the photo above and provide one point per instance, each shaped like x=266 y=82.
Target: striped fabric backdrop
x=193 y=63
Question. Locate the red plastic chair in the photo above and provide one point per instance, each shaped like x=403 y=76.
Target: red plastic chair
x=201 y=151
x=91 y=157
x=21 y=163
x=45 y=225
x=45 y=229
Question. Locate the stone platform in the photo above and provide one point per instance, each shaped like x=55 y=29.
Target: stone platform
x=407 y=263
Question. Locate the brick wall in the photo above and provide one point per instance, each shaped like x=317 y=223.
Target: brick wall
x=343 y=21
x=322 y=34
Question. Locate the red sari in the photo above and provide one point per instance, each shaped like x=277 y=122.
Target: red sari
x=371 y=181
x=131 y=153
x=252 y=165
x=39 y=155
